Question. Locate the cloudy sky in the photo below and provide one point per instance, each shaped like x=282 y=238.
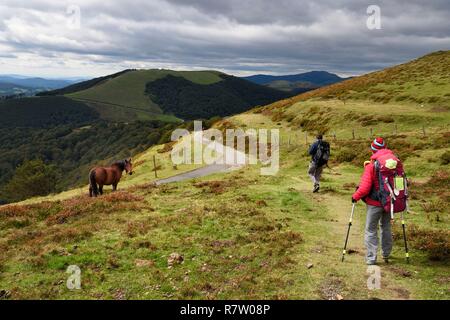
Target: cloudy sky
x=241 y=37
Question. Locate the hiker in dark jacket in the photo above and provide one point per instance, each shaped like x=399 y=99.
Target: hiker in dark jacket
x=319 y=152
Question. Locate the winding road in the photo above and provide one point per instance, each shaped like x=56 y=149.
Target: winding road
x=222 y=164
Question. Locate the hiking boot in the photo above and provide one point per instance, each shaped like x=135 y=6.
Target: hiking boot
x=316 y=188
x=386 y=260
x=371 y=262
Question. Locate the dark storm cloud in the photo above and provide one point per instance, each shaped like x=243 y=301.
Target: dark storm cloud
x=238 y=36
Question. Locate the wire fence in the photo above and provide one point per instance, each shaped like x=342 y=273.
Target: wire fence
x=305 y=138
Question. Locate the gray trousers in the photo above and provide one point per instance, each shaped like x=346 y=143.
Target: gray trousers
x=315 y=172
x=377 y=216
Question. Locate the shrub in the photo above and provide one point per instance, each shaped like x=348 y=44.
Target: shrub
x=32 y=178
x=367 y=120
x=345 y=155
x=277 y=116
x=433 y=99
x=445 y=158
x=355 y=152
x=385 y=119
x=435 y=242
x=289 y=118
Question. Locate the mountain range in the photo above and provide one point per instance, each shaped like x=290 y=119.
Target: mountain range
x=11 y=85
x=296 y=83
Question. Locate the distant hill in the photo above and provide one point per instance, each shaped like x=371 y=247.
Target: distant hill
x=425 y=80
x=83 y=85
x=10 y=86
x=191 y=100
x=36 y=82
x=296 y=83
x=27 y=86
x=146 y=94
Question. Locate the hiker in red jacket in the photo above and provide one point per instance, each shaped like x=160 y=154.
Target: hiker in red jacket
x=375 y=211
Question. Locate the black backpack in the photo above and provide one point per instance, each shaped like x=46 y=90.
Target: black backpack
x=322 y=154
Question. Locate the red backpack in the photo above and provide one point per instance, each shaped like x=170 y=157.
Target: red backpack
x=392 y=183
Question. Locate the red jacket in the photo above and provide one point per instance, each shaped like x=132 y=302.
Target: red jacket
x=368 y=180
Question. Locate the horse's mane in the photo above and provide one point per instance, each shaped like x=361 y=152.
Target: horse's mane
x=120 y=164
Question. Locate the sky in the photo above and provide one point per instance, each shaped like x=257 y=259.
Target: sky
x=88 y=38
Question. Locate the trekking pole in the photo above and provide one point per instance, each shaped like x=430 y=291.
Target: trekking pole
x=348 y=232
x=404 y=239
x=403 y=222
x=392 y=209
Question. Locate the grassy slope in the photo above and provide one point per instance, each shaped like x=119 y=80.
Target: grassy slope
x=143 y=173
x=129 y=90
x=424 y=81
x=243 y=235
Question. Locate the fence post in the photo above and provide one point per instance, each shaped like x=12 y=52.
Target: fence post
x=154 y=166
x=423 y=130
x=306 y=138
x=395 y=129
x=353 y=134
x=371 y=132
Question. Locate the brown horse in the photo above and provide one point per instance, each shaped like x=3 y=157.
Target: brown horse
x=108 y=176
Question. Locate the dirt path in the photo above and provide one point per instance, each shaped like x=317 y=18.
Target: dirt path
x=352 y=273
x=335 y=279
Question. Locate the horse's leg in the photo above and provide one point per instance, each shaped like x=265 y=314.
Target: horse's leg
x=100 y=189
x=114 y=186
x=90 y=192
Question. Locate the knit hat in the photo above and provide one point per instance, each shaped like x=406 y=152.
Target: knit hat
x=378 y=144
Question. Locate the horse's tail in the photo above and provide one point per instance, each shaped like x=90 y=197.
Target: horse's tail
x=92 y=184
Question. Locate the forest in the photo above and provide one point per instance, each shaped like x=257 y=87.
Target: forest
x=189 y=100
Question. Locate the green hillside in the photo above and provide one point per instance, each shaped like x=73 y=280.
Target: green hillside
x=83 y=85
x=148 y=94
x=190 y=100
x=129 y=88
x=243 y=235
x=423 y=81
x=168 y=95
